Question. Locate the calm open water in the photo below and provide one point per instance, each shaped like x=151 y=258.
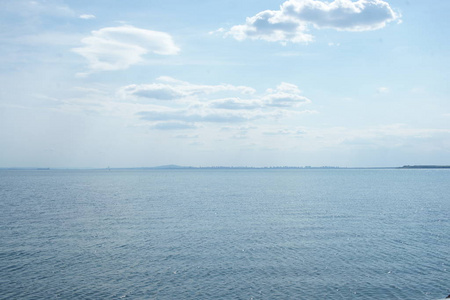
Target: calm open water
x=225 y=234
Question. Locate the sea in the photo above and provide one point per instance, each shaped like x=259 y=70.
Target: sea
x=225 y=234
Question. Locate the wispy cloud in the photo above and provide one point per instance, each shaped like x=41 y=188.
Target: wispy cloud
x=396 y=136
x=291 y=22
x=50 y=8
x=383 y=90
x=392 y=136
x=285 y=132
x=118 y=48
x=172 y=125
x=87 y=17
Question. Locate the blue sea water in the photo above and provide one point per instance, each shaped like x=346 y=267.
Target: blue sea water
x=225 y=234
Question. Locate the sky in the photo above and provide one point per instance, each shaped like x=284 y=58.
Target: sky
x=92 y=84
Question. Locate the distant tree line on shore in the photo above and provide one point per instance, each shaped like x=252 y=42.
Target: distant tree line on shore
x=425 y=167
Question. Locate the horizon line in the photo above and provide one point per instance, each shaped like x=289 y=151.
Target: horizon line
x=173 y=167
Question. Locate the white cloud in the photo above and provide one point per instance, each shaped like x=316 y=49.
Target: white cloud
x=201 y=105
x=154 y=91
x=220 y=30
x=285 y=87
x=173 y=89
x=87 y=17
x=285 y=95
x=236 y=104
x=271 y=26
x=117 y=48
x=196 y=89
x=342 y=14
x=283 y=99
x=290 y=23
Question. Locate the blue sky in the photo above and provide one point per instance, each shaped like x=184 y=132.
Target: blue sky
x=205 y=83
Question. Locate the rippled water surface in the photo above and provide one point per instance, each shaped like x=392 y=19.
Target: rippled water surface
x=225 y=234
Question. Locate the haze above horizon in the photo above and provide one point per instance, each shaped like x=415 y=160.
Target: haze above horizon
x=206 y=83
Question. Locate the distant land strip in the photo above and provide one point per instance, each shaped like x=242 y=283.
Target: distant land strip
x=176 y=167
x=426 y=167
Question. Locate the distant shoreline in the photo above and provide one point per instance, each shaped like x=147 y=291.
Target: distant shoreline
x=426 y=167
x=176 y=167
